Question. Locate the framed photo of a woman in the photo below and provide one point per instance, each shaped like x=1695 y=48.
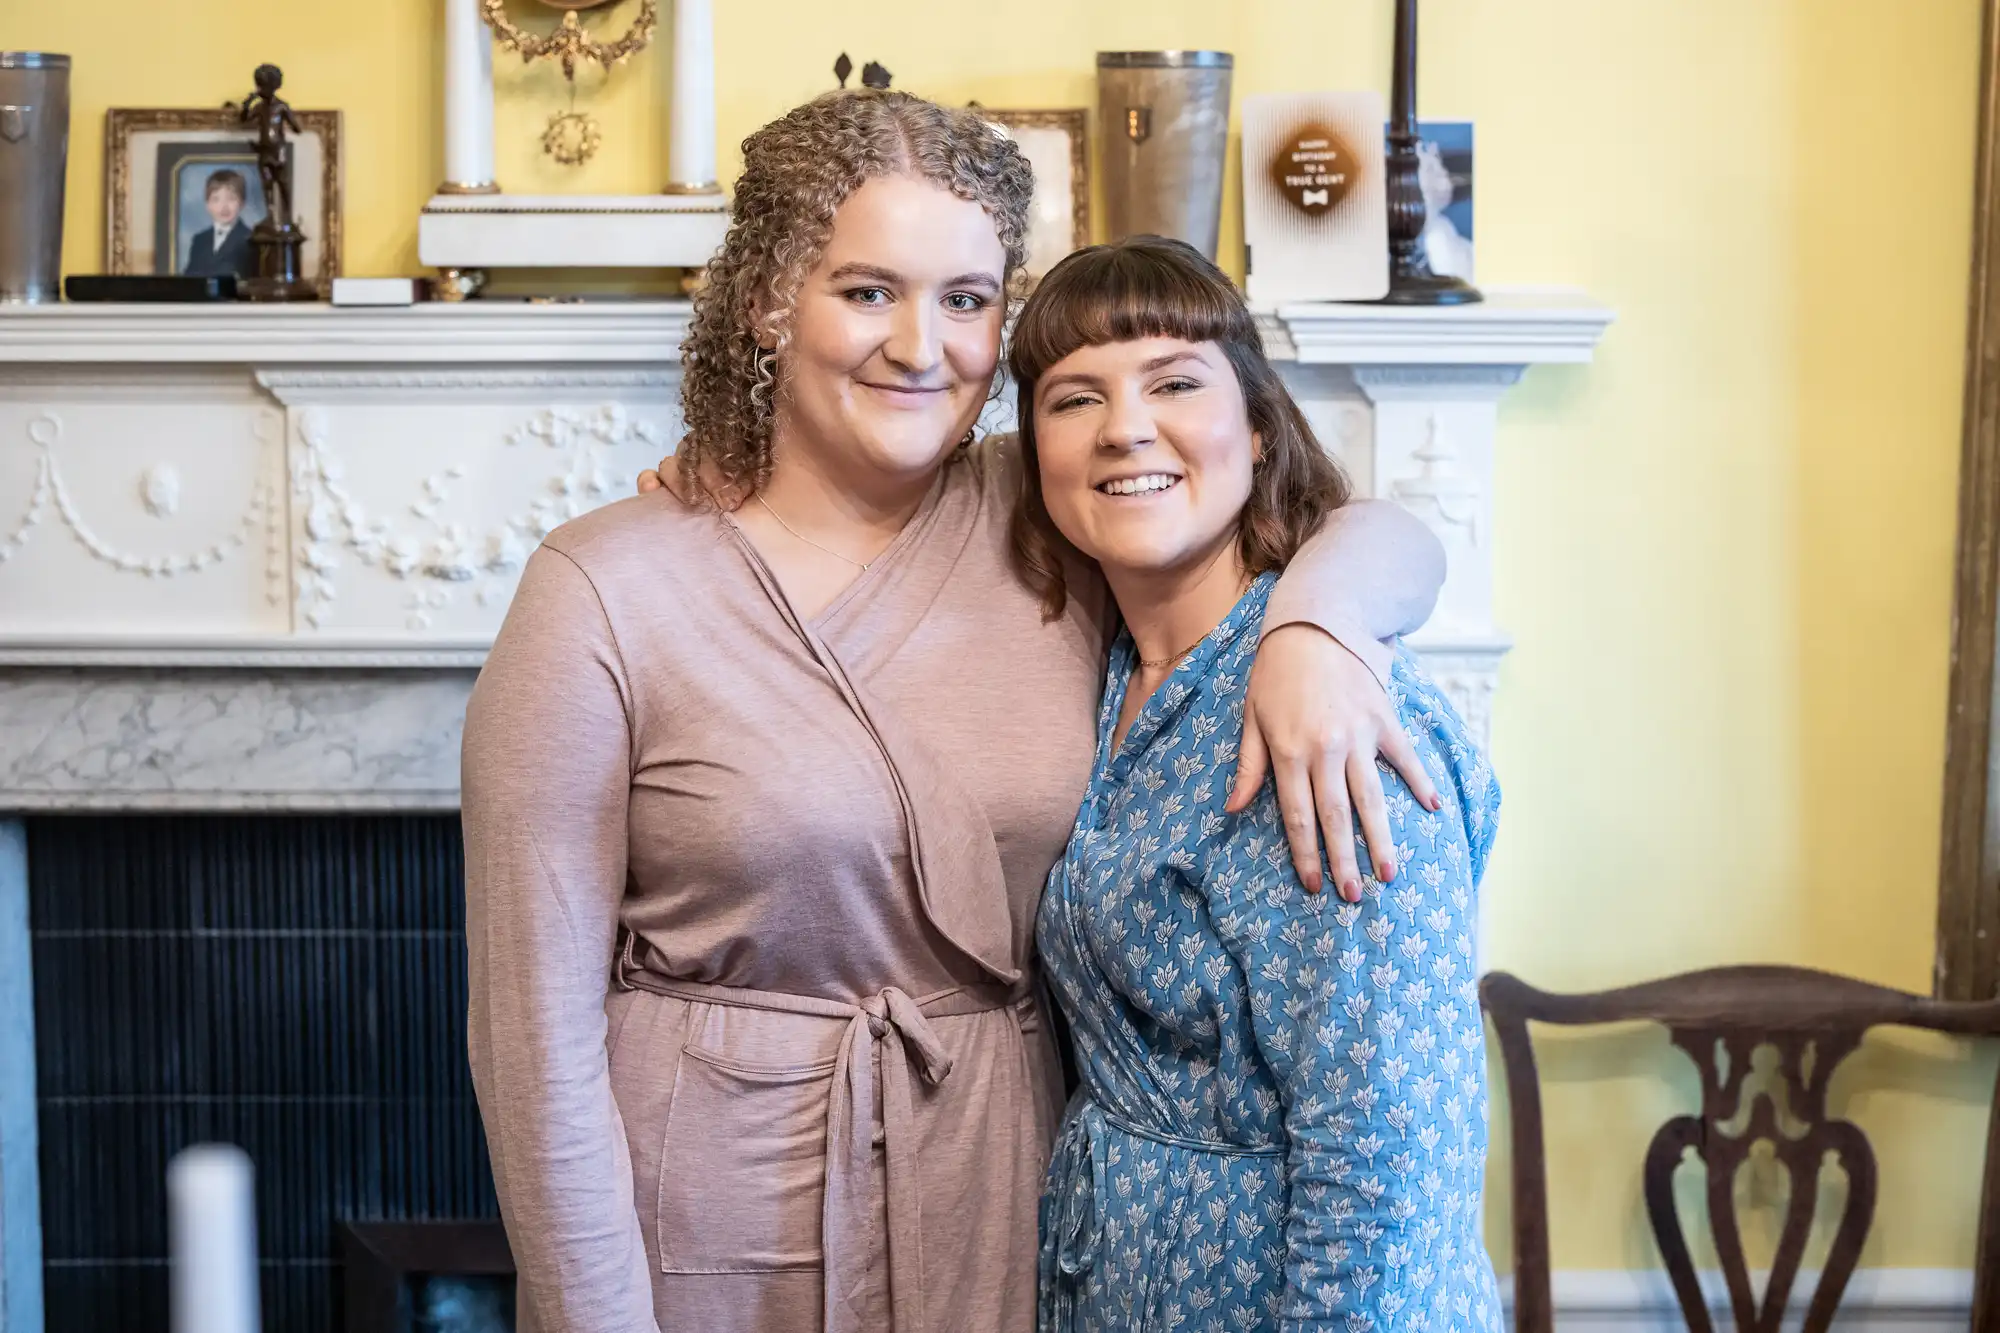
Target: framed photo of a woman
x=183 y=195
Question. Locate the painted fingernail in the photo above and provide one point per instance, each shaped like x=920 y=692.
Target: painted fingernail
x=1351 y=890
x=1386 y=871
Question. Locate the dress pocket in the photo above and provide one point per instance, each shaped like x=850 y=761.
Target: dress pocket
x=743 y=1166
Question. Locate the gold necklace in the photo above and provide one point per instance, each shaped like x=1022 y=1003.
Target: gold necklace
x=1241 y=587
x=1169 y=661
x=861 y=565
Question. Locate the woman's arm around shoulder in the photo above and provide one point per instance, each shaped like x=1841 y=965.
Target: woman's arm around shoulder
x=1370 y=574
x=1317 y=717
x=546 y=781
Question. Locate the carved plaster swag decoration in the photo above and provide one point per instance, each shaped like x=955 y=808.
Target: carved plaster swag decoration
x=448 y=554
x=159 y=488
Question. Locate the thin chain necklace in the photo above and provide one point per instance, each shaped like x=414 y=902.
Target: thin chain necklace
x=1169 y=661
x=861 y=565
x=1241 y=586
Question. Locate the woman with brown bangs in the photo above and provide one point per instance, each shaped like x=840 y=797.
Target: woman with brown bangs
x=768 y=766
x=1282 y=1117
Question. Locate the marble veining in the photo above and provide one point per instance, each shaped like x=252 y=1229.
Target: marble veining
x=230 y=740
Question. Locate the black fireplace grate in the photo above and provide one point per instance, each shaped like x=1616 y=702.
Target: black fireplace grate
x=293 y=985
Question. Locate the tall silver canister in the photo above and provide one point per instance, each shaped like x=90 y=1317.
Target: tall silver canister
x=1163 y=126
x=34 y=154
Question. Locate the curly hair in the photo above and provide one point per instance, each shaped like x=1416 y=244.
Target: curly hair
x=797 y=171
x=1151 y=287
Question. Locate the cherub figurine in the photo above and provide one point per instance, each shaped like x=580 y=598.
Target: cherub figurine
x=273 y=116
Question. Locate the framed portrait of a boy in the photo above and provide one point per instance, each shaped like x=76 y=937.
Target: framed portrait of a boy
x=183 y=193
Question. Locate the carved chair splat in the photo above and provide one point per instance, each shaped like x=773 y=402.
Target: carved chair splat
x=1721 y=1018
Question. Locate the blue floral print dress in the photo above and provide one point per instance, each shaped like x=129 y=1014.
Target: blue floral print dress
x=1282 y=1118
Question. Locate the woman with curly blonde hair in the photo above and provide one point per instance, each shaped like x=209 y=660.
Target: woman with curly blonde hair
x=767 y=768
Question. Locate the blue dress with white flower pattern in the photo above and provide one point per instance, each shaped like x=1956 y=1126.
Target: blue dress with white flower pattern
x=1282 y=1119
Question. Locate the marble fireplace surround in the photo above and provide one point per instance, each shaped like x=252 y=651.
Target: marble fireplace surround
x=251 y=557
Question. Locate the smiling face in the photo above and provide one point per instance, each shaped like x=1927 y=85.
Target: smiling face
x=894 y=337
x=1146 y=453
x=1156 y=431
x=225 y=202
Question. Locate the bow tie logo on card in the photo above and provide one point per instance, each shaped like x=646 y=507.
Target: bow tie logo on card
x=1313 y=169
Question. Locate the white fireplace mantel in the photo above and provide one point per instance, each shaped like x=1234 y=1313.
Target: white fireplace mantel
x=1515 y=327
x=250 y=557
x=438 y=333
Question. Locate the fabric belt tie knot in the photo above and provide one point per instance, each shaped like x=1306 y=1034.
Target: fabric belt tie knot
x=1079 y=1165
x=892 y=1019
x=901 y=1027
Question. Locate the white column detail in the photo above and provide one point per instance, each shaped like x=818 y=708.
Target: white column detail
x=468 y=100
x=691 y=101
x=1432 y=452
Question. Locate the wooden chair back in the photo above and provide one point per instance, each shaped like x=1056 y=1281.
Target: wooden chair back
x=1719 y=1018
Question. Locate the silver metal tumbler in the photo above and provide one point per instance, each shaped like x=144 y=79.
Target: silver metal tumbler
x=34 y=154
x=1163 y=125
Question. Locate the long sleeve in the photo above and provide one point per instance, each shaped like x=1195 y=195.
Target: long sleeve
x=1371 y=573
x=546 y=782
x=1362 y=1013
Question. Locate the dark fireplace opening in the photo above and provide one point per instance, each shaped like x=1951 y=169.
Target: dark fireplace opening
x=428 y=1277
x=292 y=985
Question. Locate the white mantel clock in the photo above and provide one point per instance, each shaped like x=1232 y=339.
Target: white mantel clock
x=472 y=224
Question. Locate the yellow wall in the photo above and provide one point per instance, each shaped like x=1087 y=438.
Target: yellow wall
x=1725 y=547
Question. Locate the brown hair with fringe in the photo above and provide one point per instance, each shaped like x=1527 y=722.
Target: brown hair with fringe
x=797 y=172
x=1152 y=287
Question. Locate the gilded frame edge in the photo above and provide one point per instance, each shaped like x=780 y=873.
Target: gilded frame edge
x=1076 y=122
x=1968 y=917
x=121 y=123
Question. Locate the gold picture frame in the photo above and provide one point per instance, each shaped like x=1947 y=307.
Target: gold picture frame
x=1056 y=203
x=1968 y=923
x=133 y=138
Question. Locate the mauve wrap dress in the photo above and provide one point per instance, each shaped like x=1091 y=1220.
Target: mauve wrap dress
x=754 y=1021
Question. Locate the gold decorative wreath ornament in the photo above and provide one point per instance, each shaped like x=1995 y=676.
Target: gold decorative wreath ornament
x=569 y=43
x=571 y=138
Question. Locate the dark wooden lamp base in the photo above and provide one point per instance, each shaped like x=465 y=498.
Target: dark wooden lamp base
x=1411 y=281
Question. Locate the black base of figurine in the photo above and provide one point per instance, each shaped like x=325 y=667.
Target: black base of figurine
x=1430 y=289
x=276 y=289
x=278 y=264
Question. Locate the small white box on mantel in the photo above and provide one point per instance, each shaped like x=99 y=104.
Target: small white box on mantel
x=377 y=291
